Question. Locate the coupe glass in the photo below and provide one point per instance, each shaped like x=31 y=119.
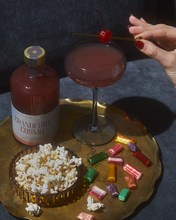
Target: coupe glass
x=93 y=64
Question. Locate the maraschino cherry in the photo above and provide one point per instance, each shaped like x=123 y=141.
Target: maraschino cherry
x=105 y=35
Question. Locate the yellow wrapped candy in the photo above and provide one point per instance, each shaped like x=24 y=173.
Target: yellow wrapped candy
x=111 y=172
x=123 y=140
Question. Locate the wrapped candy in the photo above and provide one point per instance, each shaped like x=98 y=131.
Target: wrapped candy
x=96 y=158
x=131 y=182
x=112 y=189
x=90 y=175
x=123 y=195
x=133 y=171
x=132 y=147
x=123 y=140
x=97 y=193
x=116 y=149
x=143 y=159
x=115 y=160
x=85 y=216
x=111 y=172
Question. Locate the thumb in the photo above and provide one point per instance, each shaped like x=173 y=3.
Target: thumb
x=154 y=52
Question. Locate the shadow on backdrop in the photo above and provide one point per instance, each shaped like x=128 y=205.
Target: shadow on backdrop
x=154 y=115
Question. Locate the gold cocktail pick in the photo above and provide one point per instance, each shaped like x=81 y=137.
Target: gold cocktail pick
x=115 y=38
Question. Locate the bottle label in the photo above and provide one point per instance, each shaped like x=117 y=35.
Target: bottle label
x=35 y=129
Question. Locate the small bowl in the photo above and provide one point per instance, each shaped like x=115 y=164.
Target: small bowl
x=45 y=200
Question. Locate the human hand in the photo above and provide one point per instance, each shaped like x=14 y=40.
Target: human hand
x=164 y=36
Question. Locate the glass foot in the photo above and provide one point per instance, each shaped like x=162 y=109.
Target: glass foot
x=105 y=133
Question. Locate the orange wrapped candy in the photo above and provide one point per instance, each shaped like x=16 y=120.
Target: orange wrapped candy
x=131 y=182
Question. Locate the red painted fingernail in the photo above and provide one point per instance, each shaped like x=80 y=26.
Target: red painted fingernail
x=129 y=26
x=139 y=44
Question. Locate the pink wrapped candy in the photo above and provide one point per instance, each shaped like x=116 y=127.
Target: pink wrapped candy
x=85 y=216
x=133 y=171
x=97 y=192
x=115 y=160
x=116 y=149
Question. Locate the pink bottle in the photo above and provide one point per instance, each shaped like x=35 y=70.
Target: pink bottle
x=35 y=99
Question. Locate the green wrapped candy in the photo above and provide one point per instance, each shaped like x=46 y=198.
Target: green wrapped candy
x=90 y=175
x=96 y=158
x=123 y=196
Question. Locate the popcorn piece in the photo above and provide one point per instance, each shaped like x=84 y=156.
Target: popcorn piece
x=20 y=178
x=72 y=174
x=24 y=159
x=53 y=191
x=26 y=185
x=30 y=170
x=42 y=170
x=45 y=189
x=58 y=163
x=21 y=167
x=35 y=163
x=34 y=188
x=91 y=206
x=33 y=209
x=22 y=183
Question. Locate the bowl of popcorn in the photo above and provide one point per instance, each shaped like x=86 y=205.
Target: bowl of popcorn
x=46 y=175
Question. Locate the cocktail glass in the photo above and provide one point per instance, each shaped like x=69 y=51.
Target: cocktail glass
x=93 y=64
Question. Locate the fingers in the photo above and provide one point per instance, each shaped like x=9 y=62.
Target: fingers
x=165 y=58
x=148 y=31
x=139 y=25
x=135 y=21
x=155 y=34
x=136 y=30
x=142 y=19
x=164 y=35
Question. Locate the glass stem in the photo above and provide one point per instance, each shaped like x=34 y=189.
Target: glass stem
x=94 y=123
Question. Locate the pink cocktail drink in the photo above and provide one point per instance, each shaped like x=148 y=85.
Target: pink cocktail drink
x=95 y=65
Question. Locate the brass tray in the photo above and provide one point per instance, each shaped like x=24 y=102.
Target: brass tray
x=70 y=110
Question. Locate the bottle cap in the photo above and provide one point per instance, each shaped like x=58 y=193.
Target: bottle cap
x=34 y=56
